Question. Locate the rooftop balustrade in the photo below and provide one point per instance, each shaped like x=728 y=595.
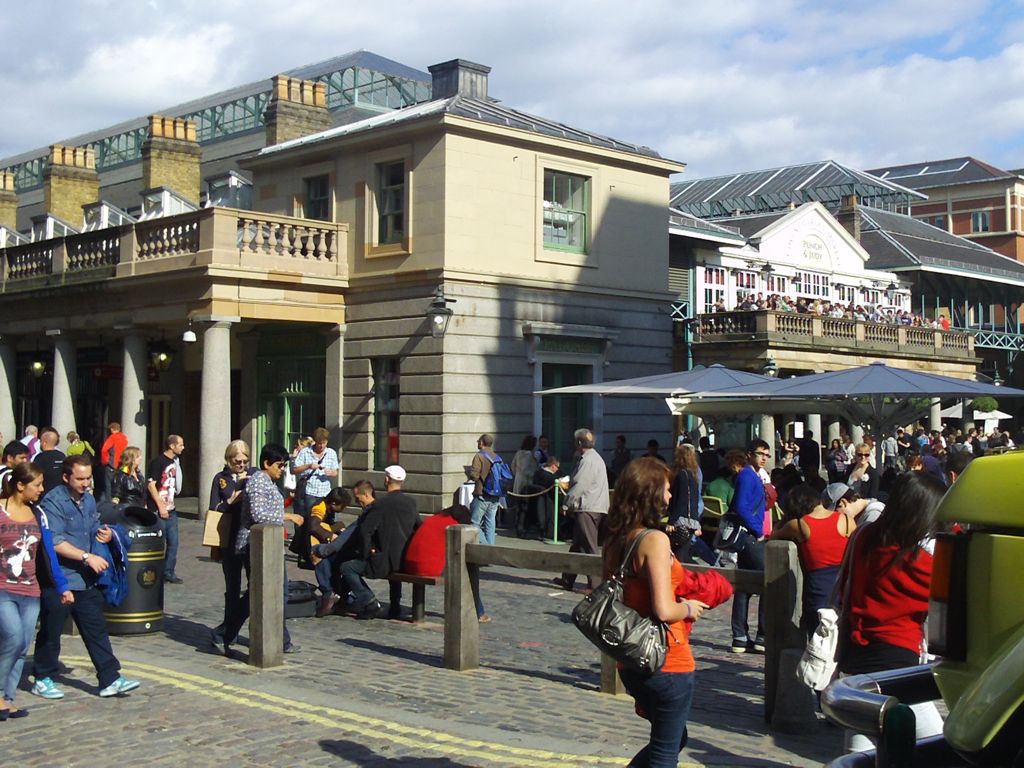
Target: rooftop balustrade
x=788 y=329
x=214 y=238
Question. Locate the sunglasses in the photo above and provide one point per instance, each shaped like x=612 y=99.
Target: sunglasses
x=864 y=455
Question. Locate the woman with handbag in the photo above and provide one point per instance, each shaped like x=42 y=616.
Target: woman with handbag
x=226 y=496
x=686 y=507
x=641 y=499
x=890 y=572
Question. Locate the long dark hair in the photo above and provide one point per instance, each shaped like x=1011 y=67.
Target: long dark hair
x=23 y=473
x=639 y=502
x=909 y=515
x=801 y=500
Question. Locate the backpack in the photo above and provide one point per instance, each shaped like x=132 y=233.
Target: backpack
x=499 y=480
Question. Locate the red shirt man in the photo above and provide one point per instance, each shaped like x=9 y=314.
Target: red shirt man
x=110 y=453
x=424 y=556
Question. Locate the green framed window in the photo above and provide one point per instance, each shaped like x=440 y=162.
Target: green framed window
x=391 y=202
x=566 y=211
x=317 y=203
x=387 y=411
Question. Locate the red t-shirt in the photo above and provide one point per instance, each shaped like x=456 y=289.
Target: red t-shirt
x=425 y=554
x=19 y=547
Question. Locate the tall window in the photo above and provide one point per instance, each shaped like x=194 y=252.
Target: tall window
x=939 y=221
x=566 y=206
x=980 y=222
x=777 y=284
x=845 y=293
x=318 y=198
x=714 y=290
x=746 y=282
x=386 y=412
x=391 y=202
x=812 y=284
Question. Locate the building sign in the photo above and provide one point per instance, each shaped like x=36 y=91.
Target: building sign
x=571 y=346
x=812 y=251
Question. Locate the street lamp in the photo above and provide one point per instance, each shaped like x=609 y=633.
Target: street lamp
x=439 y=313
x=161 y=356
x=770 y=368
x=37 y=368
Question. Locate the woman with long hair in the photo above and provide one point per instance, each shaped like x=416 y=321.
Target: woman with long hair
x=888 y=579
x=23 y=536
x=836 y=461
x=642 y=495
x=686 y=508
x=127 y=485
x=821 y=536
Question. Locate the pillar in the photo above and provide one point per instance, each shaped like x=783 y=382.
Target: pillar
x=248 y=395
x=214 y=400
x=133 y=395
x=334 y=386
x=8 y=366
x=767 y=430
x=935 y=415
x=813 y=424
x=65 y=375
x=834 y=431
x=857 y=434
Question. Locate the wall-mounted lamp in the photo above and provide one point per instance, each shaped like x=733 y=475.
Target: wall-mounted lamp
x=37 y=368
x=161 y=356
x=890 y=291
x=767 y=269
x=997 y=380
x=439 y=313
x=770 y=367
x=189 y=336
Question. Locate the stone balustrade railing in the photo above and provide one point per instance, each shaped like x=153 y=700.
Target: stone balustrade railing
x=812 y=330
x=209 y=237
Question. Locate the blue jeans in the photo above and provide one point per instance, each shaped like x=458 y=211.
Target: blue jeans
x=483 y=512
x=18 y=614
x=352 y=579
x=87 y=611
x=665 y=698
x=170 y=526
x=751 y=556
x=325 y=569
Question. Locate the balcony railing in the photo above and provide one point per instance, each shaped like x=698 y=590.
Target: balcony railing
x=789 y=329
x=211 y=237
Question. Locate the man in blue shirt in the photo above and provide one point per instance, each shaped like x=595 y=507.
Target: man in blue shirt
x=74 y=523
x=748 y=503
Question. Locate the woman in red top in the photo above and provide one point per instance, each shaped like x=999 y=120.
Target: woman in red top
x=641 y=500
x=821 y=536
x=890 y=573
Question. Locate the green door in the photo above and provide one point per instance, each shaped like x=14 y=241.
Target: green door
x=562 y=415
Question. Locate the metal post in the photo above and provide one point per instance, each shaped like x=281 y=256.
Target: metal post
x=896 y=745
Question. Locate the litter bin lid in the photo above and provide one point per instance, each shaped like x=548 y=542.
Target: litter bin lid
x=139 y=516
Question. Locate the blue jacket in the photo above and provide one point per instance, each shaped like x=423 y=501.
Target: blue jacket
x=49 y=556
x=77 y=523
x=113 y=582
x=748 y=501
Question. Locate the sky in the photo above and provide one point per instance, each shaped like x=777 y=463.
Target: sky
x=722 y=86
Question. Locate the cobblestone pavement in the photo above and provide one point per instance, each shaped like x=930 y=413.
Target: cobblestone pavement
x=375 y=693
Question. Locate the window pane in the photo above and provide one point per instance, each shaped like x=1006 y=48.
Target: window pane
x=387 y=411
x=391 y=202
x=318 y=198
x=565 y=210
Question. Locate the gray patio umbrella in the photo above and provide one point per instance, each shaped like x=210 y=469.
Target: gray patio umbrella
x=875 y=396
x=699 y=379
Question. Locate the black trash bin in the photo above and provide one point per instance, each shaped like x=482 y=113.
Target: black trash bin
x=142 y=610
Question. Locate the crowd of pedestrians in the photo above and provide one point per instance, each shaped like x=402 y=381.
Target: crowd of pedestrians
x=875 y=313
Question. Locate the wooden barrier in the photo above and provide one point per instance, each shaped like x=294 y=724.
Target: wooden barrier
x=465 y=555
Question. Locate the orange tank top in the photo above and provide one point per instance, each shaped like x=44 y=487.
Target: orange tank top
x=637 y=595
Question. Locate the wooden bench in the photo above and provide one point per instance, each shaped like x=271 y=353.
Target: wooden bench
x=419 y=592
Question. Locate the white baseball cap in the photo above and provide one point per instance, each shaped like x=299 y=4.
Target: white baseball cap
x=395 y=472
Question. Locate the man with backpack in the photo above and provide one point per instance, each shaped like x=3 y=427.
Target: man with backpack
x=492 y=478
x=587 y=502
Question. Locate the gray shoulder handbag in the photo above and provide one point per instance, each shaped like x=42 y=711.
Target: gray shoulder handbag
x=640 y=643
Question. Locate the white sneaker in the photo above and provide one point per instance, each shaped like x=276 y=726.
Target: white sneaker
x=119 y=686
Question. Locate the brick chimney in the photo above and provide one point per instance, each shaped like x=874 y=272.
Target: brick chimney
x=459 y=77
x=69 y=182
x=8 y=201
x=849 y=215
x=297 y=108
x=171 y=156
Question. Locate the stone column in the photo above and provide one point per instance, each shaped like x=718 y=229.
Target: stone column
x=247 y=395
x=813 y=424
x=935 y=415
x=833 y=430
x=133 y=394
x=8 y=371
x=767 y=431
x=214 y=401
x=334 y=387
x=857 y=434
x=65 y=374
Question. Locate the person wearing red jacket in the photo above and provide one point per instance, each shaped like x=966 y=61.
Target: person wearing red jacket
x=888 y=580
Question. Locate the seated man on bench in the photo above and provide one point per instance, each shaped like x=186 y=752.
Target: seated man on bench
x=379 y=543
x=331 y=554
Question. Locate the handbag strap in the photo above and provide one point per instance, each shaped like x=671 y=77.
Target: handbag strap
x=620 y=574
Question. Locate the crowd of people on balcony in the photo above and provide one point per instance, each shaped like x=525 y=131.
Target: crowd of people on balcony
x=875 y=313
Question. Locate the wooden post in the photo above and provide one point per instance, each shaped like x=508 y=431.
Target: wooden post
x=782 y=595
x=461 y=628
x=610 y=680
x=266 y=596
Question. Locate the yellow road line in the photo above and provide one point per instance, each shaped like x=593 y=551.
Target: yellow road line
x=364 y=725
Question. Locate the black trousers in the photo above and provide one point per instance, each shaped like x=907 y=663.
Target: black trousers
x=87 y=612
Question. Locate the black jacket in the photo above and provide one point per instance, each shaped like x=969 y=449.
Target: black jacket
x=129 y=490
x=383 y=535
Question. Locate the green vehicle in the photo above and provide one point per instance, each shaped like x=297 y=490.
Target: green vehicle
x=975 y=628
